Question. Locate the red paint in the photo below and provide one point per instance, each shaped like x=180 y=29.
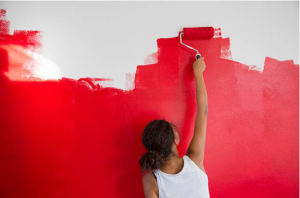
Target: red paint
x=25 y=38
x=198 y=32
x=64 y=139
x=14 y=50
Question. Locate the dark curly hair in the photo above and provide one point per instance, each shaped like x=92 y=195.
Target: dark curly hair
x=158 y=137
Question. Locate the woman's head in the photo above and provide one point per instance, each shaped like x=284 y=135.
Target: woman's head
x=159 y=137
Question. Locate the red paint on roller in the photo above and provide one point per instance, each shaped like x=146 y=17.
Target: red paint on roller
x=64 y=139
x=198 y=33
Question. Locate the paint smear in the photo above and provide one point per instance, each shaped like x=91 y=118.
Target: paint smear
x=20 y=51
x=70 y=138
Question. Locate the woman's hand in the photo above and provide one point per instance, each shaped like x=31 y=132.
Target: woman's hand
x=199 y=66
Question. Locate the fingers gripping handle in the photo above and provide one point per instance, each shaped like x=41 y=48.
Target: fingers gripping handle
x=198 y=56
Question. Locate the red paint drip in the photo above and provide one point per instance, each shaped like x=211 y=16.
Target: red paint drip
x=64 y=139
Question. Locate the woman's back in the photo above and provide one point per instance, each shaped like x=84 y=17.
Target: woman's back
x=190 y=182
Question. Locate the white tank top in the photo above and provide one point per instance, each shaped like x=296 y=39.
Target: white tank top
x=191 y=182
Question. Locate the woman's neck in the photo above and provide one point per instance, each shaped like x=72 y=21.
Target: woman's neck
x=173 y=159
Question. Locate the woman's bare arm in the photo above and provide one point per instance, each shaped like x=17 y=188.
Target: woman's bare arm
x=197 y=145
x=149 y=184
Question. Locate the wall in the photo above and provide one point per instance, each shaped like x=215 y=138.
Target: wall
x=77 y=137
x=109 y=39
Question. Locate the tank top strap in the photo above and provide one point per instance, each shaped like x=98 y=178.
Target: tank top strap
x=154 y=175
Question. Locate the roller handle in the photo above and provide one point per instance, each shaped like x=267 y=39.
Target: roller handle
x=198 y=56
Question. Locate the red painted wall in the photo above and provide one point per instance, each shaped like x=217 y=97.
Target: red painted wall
x=67 y=138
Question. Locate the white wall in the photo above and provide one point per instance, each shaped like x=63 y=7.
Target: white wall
x=109 y=39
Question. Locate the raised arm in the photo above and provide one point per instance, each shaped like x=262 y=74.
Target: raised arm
x=196 y=147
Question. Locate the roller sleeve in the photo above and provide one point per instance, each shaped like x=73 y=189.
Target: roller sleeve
x=198 y=33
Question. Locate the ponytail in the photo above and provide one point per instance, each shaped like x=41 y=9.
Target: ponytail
x=158 y=137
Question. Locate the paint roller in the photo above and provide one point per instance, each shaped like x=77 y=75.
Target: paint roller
x=196 y=33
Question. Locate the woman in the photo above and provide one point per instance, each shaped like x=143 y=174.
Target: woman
x=168 y=174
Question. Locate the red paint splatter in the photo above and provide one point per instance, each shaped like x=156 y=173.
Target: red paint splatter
x=64 y=139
